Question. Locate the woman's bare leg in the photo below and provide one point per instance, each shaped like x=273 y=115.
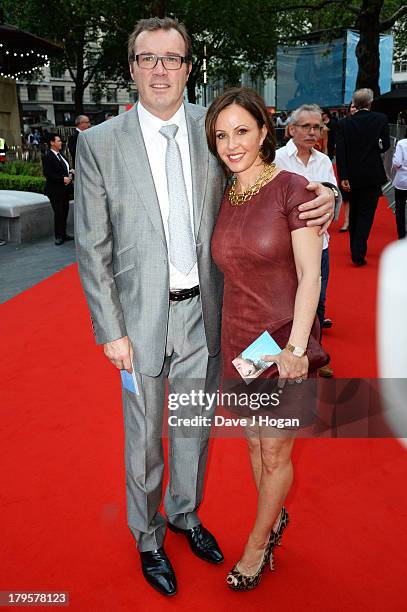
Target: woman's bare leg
x=275 y=481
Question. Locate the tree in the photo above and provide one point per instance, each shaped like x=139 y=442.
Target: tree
x=369 y=17
x=82 y=26
x=242 y=35
x=232 y=36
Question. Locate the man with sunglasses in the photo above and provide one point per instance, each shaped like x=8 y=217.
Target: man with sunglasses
x=147 y=197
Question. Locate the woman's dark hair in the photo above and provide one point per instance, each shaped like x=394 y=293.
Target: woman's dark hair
x=254 y=104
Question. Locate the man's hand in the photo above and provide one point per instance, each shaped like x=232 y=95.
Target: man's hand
x=120 y=353
x=345 y=185
x=321 y=210
x=67 y=180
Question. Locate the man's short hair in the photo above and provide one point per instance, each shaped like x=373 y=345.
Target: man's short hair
x=304 y=108
x=79 y=119
x=152 y=25
x=51 y=137
x=362 y=98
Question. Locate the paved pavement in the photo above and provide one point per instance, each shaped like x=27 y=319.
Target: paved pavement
x=24 y=265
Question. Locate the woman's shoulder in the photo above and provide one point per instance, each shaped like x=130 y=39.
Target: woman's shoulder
x=292 y=189
x=291 y=179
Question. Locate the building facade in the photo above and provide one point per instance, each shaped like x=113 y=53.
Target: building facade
x=50 y=100
x=399 y=76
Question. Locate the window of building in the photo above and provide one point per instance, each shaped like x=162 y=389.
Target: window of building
x=32 y=93
x=111 y=95
x=95 y=95
x=73 y=90
x=401 y=66
x=56 y=71
x=58 y=93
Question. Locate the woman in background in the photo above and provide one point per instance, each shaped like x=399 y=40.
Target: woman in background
x=400 y=184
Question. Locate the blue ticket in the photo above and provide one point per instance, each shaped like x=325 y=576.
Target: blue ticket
x=249 y=363
x=129 y=381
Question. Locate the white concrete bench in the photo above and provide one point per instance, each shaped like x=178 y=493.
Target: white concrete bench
x=26 y=216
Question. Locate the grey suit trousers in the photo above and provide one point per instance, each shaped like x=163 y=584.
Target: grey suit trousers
x=187 y=365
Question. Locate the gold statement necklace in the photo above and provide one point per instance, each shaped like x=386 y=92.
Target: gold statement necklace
x=238 y=199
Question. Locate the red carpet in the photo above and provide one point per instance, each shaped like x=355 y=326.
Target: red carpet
x=62 y=504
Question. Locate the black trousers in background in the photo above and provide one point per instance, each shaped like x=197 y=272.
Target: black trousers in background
x=401 y=199
x=363 y=204
x=60 y=206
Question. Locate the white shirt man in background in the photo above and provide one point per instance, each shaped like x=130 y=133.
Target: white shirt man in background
x=299 y=156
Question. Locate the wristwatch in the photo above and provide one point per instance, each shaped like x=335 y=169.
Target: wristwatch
x=337 y=196
x=297 y=351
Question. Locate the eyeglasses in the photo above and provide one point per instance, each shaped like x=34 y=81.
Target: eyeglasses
x=307 y=127
x=148 y=61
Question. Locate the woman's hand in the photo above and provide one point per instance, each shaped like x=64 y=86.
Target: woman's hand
x=289 y=366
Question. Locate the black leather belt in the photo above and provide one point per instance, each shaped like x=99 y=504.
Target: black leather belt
x=184 y=294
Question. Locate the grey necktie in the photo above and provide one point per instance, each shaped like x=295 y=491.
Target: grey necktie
x=181 y=239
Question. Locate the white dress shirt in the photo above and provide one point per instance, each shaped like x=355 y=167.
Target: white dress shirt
x=400 y=165
x=56 y=153
x=156 y=146
x=319 y=168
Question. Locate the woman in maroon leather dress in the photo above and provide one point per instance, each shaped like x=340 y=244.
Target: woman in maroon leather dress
x=271 y=265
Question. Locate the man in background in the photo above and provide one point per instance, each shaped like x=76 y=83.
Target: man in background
x=82 y=122
x=58 y=186
x=3 y=150
x=300 y=156
x=361 y=138
x=331 y=123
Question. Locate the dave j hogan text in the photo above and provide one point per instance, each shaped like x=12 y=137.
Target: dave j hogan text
x=221 y=421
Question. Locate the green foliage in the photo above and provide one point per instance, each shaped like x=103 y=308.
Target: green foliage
x=400 y=39
x=82 y=26
x=21 y=168
x=238 y=35
x=21 y=182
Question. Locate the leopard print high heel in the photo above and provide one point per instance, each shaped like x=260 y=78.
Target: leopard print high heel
x=282 y=524
x=276 y=536
x=237 y=581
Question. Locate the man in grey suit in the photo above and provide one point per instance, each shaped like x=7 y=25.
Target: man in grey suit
x=146 y=200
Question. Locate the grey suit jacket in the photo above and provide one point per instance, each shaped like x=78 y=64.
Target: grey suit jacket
x=121 y=246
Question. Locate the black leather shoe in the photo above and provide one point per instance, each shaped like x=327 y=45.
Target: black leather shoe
x=359 y=262
x=158 y=571
x=68 y=237
x=202 y=543
x=59 y=241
